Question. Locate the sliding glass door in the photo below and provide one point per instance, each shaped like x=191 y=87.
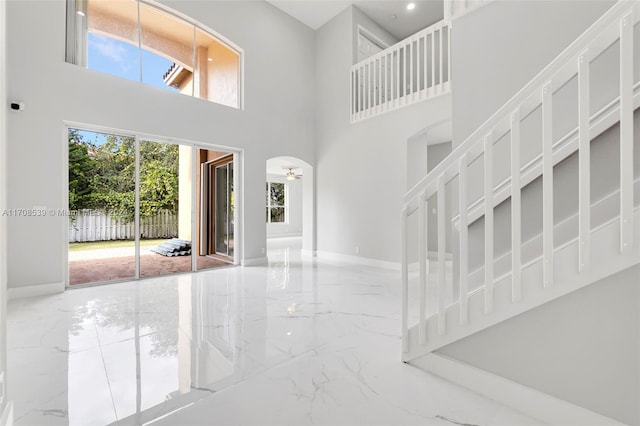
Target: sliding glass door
x=101 y=233
x=216 y=204
x=133 y=202
x=223 y=230
x=163 y=250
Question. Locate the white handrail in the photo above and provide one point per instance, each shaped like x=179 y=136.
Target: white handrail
x=414 y=69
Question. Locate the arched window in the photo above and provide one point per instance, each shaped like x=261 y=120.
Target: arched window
x=144 y=42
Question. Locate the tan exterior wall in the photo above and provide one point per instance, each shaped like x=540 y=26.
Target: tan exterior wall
x=223 y=75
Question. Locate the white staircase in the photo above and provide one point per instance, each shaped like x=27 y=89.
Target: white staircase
x=601 y=238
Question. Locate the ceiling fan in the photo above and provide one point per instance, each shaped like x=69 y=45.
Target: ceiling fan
x=290 y=174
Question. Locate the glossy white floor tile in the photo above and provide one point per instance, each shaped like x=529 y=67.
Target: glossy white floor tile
x=297 y=342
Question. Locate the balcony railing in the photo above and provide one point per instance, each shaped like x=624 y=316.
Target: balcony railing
x=412 y=70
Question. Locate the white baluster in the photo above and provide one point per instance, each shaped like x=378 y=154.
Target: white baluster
x=433 y=61
x=369 y=88
x=397 y=85
x=360 y=91
x=584 y=172
x=353 y=97
x=442 y=276
x=365 y=88
x=516 y=211
x=449 y=54
x=488 y=223
x=379 y=85
x=626 y=132
x=425 y=63
x=422 y=261
x=405 y=283
x=411 y=61
x=406 y=73
x=385 y=76
x=547 y=186
x=403 y=74
x=441 y=79
x=464 y=242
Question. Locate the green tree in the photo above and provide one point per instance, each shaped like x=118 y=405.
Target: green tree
x=113 y=184
x=102 y=175
x=81 y=171
x=159 y=164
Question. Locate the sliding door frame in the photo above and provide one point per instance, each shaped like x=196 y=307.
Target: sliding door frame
x=138 y=137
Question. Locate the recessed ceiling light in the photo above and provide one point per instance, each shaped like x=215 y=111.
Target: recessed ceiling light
x=411 y=6
x=210 y=59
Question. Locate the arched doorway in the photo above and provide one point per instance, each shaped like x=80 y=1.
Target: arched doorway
x=290 y=201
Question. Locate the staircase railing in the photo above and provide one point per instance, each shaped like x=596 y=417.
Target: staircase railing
x=412 y=70
x=452 y=176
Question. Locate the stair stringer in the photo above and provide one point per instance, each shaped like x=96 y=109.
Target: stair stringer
x=606 y=260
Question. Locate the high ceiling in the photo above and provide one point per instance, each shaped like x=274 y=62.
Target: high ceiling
x=390 y=14
x=280 y=166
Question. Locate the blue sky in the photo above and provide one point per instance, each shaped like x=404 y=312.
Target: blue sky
x=121 y=59
x=111 y=56
x=95 y=138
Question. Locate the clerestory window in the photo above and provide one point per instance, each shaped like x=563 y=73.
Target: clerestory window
x=144 y=42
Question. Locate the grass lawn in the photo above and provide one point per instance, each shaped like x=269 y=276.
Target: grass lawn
x=94 y=245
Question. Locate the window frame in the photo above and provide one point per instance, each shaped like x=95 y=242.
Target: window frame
x=77 y=32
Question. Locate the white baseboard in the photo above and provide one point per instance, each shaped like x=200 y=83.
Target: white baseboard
x=531 y=402
x=256 y=261
x=285 y=235
x=34 y=290
x=6 y=419
x=326 y=255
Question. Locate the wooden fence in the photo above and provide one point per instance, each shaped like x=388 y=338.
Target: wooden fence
x=96 y=225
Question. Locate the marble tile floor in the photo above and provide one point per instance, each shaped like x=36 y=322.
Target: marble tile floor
x=296 y=342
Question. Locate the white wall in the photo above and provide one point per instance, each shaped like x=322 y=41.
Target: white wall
x=294 y=205
x=417 y=166
x=361 y=168
x=499 y=47
x=278 y=118
x=3 y=194
x=583 y=348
